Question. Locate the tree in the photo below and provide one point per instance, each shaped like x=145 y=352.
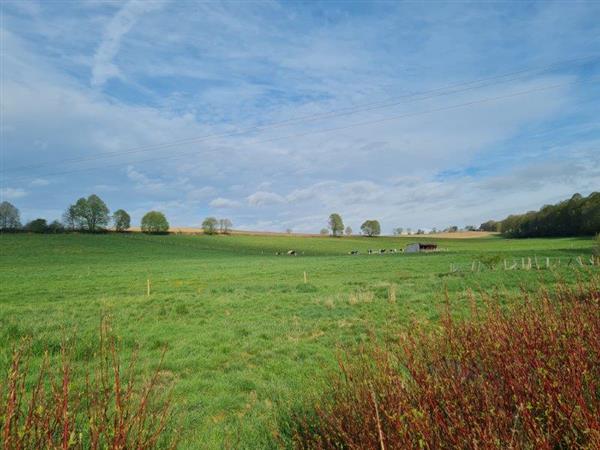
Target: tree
x=225 y=226
x=90 y=214
x=371 y=228
x=397 y=231
x=37 y=226
x=470 y=227
x=324 y=231
x=336 y=225
x=288 y=230
x=348 y=231
x=209 y=225
x=71 y=219
x=9 y=217
x=154 y=222
x=121 y=220
x=98 y=213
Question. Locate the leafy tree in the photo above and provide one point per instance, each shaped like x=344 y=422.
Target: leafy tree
x=154 y=222
x=336 y=225
x=397 y=231
x=89 y=214
x=420 y=231
x=98 y=216
x=122 y=220
x=9 y=217
x=348 y=231
x=209 y=225
x=37 y=226
x=371 y=228
x=288 y=231
x=324 y=231
x=225 y=226
x=470 y=228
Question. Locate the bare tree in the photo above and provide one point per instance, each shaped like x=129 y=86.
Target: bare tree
x=225 y=226
x=10 y=218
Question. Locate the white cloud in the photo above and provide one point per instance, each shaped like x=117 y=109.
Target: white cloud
x=38 y=182
x=264 y=198
x=221 y=202
x=9 y=193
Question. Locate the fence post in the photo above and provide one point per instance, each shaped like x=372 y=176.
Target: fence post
x=148 y=287
x=305 y=278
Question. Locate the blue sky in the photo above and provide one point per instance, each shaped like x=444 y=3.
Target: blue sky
x=275 y=114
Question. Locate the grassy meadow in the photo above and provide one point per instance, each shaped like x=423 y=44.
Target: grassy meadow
x=245 y=336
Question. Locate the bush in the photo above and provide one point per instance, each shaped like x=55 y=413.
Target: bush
x=154 y=222
x=111 y=410
x=526 y=377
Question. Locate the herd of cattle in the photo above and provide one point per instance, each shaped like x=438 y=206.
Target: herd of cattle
x=351 y=252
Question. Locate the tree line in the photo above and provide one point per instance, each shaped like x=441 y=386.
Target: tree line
x=577 y=216
x=92 y=215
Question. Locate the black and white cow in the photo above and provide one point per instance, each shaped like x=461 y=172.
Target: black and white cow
x=353 y=252
x=292 y=253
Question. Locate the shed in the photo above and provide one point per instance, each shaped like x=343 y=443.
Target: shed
x=419 y=247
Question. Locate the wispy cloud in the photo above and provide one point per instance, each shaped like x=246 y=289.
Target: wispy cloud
x=104 y=66
x=221 y=202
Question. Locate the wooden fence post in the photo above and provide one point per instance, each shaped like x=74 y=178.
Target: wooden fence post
x=148 y=287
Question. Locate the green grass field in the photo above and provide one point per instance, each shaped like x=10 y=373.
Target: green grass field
x=245 y=335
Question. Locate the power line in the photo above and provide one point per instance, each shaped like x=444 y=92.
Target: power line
x=394 y=101
x=327 y=130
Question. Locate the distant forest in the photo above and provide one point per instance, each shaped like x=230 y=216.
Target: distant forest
x=578 y=216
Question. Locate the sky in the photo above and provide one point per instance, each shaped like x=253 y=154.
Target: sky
x=275 y=114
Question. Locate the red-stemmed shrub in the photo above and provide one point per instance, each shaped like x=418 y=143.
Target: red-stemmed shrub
x=112 y=409
x=522 y=377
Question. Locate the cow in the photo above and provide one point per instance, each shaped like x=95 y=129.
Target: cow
x=353 y=252
x=292 y=253
x=278 y=253
x=382 y=251
x=393 y=250
x=370 y=252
